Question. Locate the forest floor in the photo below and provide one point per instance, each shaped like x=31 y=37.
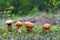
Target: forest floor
x=38 y=20
x=37 y=33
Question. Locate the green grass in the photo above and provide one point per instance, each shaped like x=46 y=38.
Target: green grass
x=36 y=34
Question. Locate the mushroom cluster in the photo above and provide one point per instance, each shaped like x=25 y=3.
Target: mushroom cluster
x=9 y=24
x=19 y=24
x=29 y=26
x=46 y=27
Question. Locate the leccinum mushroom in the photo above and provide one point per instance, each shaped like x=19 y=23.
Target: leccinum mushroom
x=19 y=24
x=29 y=26
x=9 y=24
x=46 y=27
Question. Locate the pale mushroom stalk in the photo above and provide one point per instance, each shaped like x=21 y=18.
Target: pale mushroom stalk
x=19 y=29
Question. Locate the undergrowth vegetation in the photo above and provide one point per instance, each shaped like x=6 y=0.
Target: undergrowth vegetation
x=36 y=34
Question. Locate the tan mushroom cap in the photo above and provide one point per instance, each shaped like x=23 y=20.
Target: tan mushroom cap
x=46 y=26
x=9 y=22
x=29 y=24
x=18 y=24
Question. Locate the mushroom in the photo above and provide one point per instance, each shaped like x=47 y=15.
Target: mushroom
x=19 y=24
x=29 y=26
x=46 y=27
x=9 y=24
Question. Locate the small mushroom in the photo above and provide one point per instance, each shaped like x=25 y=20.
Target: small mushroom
x=9 y=24
x=19 y=24
x=29 y=26
x=46 y=27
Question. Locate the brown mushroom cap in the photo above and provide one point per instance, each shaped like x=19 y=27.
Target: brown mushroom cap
x=18 y=24
x=9 y=22
x=46 y=26
x=29 y=25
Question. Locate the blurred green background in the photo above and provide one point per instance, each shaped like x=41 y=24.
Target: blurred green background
x=13 y=8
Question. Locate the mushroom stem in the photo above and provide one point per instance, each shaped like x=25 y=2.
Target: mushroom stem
x=9 y=27
x=19 y=29
x=29 y=30
x=46 y=30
